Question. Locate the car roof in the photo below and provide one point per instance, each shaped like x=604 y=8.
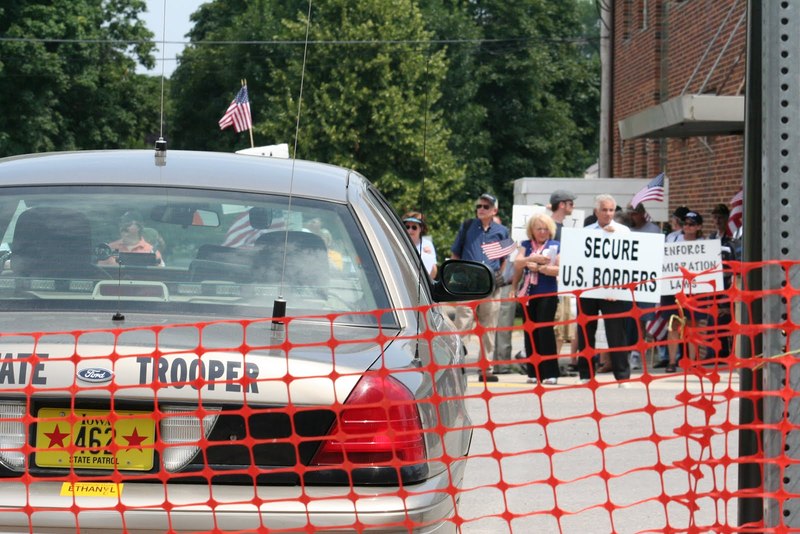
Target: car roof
x=217 y=170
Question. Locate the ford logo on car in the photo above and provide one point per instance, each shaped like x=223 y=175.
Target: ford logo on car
x=95 y=374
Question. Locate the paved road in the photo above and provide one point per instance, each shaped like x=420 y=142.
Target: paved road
x=601 y=457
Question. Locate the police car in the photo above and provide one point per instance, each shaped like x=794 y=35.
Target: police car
x=200 y=341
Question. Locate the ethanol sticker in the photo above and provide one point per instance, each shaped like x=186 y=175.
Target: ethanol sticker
x=91 y=489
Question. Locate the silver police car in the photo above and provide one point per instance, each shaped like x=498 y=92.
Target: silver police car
x=199 y=341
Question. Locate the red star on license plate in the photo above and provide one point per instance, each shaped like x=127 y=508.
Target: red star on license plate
x=135 y=440
x=56 y=437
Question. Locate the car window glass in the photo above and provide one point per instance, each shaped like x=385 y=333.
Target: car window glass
x=194 y=252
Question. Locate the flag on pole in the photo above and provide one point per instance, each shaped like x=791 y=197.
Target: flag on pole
x=654 y=190
x=238 y=113
x=735 y=217
x=498 y=249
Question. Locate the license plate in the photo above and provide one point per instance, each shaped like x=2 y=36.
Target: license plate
x=86 y=442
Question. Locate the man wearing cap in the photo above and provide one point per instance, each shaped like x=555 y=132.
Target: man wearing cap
x=639 y=223
x=639 y=220
x=676 y=220
x=561 y=204
x=720 y=213
x=131 y=239
x=472 y=234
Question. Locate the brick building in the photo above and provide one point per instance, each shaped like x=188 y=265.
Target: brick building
x=677 y=80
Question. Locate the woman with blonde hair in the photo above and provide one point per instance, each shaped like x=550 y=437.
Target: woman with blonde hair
x=536 y=267
x=415 y=225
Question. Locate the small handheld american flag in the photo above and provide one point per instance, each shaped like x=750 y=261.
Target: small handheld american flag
x=658 y=327
x=498 y=249
x=238 y=113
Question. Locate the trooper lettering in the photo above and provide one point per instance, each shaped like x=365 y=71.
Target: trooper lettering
x=178 y=373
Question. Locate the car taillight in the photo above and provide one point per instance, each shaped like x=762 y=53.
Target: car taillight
x=379 y=423
x=12 y=435
x=181 y=432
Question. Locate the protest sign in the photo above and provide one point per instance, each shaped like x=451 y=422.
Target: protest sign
x=521 y=213
x=704 y=255
x=519 y=220
x=608 y=261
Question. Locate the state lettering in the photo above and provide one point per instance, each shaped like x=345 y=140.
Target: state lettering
x=14 y=369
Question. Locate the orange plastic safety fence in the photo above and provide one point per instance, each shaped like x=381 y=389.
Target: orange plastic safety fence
x=252 y=426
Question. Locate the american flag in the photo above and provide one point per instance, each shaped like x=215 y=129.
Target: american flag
x=735 y=217
x=238 y=113
x=240 y=233
x=654 y=190
x=658 y=327
x=498 y=249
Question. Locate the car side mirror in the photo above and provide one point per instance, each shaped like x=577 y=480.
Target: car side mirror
x=462 y=280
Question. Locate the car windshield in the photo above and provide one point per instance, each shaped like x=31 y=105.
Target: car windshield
x=182 y=251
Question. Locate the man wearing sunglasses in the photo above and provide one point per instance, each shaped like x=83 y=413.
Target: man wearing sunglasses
x=469 y=244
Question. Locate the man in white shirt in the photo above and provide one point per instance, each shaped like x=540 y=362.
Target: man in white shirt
x=604 y=208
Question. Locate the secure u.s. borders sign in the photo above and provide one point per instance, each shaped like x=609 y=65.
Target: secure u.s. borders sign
x=603 y=263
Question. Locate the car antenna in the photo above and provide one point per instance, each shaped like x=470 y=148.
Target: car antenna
x=417 y=362
x=279 y=305
x=118 y=316
x=161 y=144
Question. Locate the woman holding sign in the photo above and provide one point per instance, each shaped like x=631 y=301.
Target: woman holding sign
x=535 y=274
x=692 y=230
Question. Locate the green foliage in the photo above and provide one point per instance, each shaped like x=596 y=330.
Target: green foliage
x=539 y=89
x=70 y=72
x=367 y=106
x=435 y=101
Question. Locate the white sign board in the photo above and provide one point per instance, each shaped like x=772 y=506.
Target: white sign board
x=575 y=219
x=520 y=214
x=608 y=261
x=696 y=257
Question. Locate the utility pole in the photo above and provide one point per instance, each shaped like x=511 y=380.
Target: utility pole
x=772 y=199
x=606 y=89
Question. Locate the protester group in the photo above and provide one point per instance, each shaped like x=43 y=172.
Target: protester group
x=527 y=277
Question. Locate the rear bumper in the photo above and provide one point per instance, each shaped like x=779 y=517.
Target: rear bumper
x=422 y=508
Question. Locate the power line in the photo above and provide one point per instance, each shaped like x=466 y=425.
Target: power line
x=52 y=40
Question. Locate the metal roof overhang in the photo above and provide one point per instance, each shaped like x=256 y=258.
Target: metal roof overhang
x=687 y=116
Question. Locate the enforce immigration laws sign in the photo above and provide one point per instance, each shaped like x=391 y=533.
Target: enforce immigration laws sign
x=609 y=261
x=699 y=256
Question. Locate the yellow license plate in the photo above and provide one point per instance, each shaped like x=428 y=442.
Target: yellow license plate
x=88 y=440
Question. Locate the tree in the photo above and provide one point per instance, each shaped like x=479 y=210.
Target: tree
x=370 y=88
x=68 y=66
x=459 y=37
x=538 y=87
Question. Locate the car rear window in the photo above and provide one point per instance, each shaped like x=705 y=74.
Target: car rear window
x=183 y=251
